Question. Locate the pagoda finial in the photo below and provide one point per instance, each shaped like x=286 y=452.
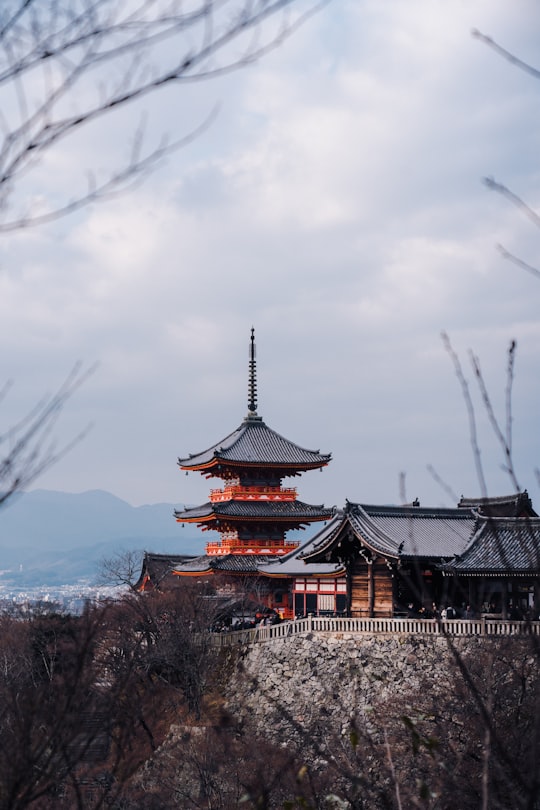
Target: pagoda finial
x=252 y=387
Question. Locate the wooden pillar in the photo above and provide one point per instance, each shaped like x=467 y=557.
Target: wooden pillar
x=348 y=576
x=371 y=590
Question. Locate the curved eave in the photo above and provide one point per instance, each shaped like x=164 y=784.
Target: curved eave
x=297 y=520
x=255 y=511
x=224 y=463
x=200 y=519
x=453 y=572
x=422 y=559
x=206 y=571
x=339 y=572
x=277 y=575
x=226 y=573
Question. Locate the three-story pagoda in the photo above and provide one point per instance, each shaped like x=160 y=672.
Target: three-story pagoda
x=253 y=511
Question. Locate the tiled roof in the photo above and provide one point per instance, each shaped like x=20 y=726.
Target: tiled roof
x=405 y=532
x=237 y=563
x=255 y=443
x=194 y=565
x=516 y=505
x=414 y=531
x=293 y=564
x=501 y=545
x=157 y=566
x=257 y=510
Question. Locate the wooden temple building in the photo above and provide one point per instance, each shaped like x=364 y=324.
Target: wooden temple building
x=385 y=561
x=366 y=560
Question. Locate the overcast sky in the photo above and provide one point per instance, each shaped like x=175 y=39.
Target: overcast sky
x=335 y=203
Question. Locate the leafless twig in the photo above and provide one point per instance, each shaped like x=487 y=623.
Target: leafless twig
x=30 y=446
x=67 y=64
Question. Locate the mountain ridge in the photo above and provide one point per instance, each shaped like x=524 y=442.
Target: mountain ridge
x=60 y=537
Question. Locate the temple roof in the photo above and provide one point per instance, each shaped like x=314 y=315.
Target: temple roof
x=255 y=510
x=228 y=563
x=403 y=532
x=414 y=531
x=157 y=567
x=255 y=444
x=500 y=546
x=293 y=564
x=518 y=504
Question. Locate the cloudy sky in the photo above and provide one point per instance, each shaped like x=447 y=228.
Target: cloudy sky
x=334 y=203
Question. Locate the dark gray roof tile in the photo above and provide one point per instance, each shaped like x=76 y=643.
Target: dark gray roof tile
x=255 y=443
x=236 y=563
x=256 y=510
x=516 y=505
x=405 y=532
x=501 y=545
x=414 y=531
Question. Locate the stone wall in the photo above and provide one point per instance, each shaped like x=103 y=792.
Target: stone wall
x=352 y=721
x=325 y=680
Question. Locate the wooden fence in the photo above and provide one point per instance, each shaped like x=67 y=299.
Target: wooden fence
x=431 y=627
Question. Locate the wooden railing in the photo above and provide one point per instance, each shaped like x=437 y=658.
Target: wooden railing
x=320 y=624
x=239 y=546
x=247 y=493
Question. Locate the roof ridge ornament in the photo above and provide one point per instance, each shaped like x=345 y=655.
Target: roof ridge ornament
x=252 y=385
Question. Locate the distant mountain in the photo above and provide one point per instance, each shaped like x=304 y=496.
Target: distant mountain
x=60 y=538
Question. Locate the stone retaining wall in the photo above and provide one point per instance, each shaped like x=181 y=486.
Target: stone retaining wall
x=325 y=680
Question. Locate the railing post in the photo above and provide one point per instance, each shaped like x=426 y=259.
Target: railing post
x=310 y=623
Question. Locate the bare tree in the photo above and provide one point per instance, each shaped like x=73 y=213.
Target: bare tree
x=495 y=185
x=84 y=701
x=122 y=569
x=29 y=447
x=60 y=716
x=69 y=64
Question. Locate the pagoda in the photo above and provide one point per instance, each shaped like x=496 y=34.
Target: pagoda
x=252 y=512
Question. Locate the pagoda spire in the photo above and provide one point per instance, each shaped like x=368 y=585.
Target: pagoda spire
x=252 y=385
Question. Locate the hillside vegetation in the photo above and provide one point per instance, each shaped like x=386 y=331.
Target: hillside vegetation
x=133 y=706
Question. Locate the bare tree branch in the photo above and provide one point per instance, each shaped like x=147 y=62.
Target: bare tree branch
x=473 y=433
x=122 y=569
x=510 y=57
x=517 y=261
x=445 y=486
x=493 y=185
x=30 y=448
x=503 y=434
x=503 y=437
x=490 y=182
x=67 y=64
